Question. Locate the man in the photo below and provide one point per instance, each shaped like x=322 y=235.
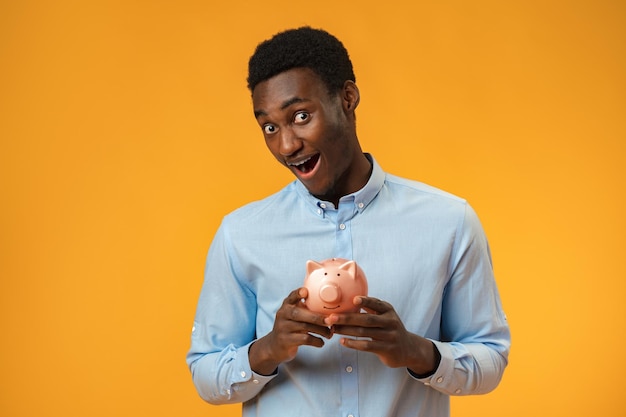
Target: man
x=432 y=326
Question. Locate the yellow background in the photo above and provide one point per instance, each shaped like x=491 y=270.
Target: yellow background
x=126 y=133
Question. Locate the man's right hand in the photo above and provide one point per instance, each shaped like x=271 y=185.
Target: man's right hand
x=294 y=326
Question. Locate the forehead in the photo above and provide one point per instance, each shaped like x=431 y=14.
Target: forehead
x=296 y=83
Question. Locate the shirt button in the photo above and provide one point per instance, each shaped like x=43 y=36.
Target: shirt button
x=243 y=374
x=349 y=369
x=323 y=205
x=320 y=211
x=350 y=415
x=440 y=379
x=361 y=205
x=342 y=226
x=255 y=381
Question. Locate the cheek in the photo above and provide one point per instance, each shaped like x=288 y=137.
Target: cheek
x=311 y=132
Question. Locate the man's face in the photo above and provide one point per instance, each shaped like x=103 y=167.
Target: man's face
x=310 y=131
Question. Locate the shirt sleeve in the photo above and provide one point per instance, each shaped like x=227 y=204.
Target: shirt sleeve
x=224 y=329
x=475 y=340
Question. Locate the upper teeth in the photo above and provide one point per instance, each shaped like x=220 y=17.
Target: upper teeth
x=299 y=162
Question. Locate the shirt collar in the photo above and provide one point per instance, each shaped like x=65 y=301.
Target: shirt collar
x=361 y=198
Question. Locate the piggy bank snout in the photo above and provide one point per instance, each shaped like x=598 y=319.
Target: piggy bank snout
x=330 y=293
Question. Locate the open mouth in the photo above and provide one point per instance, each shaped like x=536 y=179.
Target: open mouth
x=306 y=165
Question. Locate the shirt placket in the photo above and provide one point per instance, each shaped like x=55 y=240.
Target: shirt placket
x=348 y=357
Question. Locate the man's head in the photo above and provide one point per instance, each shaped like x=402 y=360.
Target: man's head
x=304 y=47
x=304 y=98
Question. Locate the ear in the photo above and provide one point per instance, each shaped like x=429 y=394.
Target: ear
x=312 y=266
x=350 y=267
x=350 y=96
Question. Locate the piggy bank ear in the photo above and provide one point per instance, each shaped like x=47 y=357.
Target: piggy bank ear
x=349 y=267
x=312 y=266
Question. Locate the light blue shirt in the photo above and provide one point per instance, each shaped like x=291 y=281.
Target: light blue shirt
x=422 y=250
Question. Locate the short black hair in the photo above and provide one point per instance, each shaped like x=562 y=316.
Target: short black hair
x=303 y=47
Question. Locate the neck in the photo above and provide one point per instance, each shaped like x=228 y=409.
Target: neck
x=359 y=173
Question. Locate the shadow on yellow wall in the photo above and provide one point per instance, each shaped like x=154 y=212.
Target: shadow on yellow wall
x=126 y=133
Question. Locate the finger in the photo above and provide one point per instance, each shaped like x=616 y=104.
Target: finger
x=386 y=355
x=287 y=324
x=365 y=345
x=373 y=333
x=372 y=305
x=355 y=320
x=323 y=331
x=374 y=308
x=289 y=343
x=310 y=340
x=296 y=296
x=305 y=319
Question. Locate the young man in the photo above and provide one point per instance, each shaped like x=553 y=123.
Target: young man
x=432 y=326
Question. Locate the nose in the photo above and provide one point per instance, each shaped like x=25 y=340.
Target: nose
x=289 y=142
x=330 y=293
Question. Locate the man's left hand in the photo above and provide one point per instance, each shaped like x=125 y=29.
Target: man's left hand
x=380 y=331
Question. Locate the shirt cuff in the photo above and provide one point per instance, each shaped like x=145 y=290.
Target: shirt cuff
x=439 y=379
x=246 y=382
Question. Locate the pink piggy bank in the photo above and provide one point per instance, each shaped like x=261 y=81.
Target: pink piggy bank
x=333 y=284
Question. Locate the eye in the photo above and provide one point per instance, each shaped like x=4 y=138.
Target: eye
x=269 y=129
x=301 y=117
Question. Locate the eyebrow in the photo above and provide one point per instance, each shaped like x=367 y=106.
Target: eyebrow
x=286 y=103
